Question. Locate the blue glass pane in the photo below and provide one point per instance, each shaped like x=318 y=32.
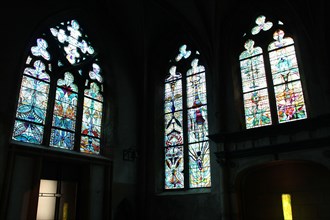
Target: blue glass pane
x=33 y=99
x=92 y=118
x=28 y=132
x=62 y=139
x=65 y=109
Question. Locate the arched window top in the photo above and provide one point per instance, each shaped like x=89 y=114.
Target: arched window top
x=67 y=82
x=280 y=40
x=94 y=92
x=250 y=50
x=173 y=75
x=37 y=71
x=61 y=96
x=195 y=68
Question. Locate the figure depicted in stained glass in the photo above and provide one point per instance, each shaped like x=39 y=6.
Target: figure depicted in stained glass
x=257 y=112
x=196 y=92
x=199 y=165
x=286 y=78
x=290 y=102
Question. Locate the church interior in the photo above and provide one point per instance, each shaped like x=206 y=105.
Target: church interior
x=163 y=109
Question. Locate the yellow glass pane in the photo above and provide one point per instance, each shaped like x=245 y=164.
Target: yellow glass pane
x=286 y=204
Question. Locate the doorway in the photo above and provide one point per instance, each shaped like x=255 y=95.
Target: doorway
x=57 y=200
x=261 y=189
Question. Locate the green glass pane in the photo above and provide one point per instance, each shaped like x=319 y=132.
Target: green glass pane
x=257 y=110
x=253 y=74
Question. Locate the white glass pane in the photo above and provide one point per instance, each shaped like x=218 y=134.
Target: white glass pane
x=47 y=200
x=46 y=208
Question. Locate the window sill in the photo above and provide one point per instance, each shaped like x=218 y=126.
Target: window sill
x=184 y=192
x=51 y=152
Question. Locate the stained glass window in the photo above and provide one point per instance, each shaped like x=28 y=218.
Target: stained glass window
x=62 y=85
x=255 y=94
x=186 y=125
x=64 y=116
x=92 y=120
x=270 y=72
x=289 y=95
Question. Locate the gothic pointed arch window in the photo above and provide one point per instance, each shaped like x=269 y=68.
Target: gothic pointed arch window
x=60 y=103
x=271 y=80
x=187 y=153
